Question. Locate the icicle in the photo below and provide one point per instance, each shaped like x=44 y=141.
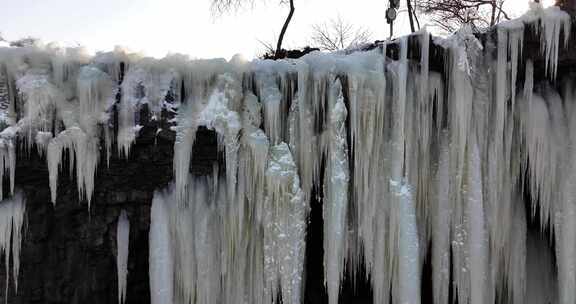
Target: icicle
x=122 y=246
x=11 y=220
x=477 y=235
x=42 y=140
x=460 y=102
x=185 y=137
x=566 y=222
x=528 y=81
x=7 y=157
x=284 y=225
x=441 y=228
x=271 y=105
x=515 y=45
x=161 y=260
x=95 y=95
x=540 y=156
x=132 y=95
x=553 y=21
x=407 y=289
x=42 y=101
x=81 y=148
x=408 y=251
x=336 y=194
x=420 y=172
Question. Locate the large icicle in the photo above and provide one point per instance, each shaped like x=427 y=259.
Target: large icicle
x=477 y=234
x=566 y=222
x=407 y=288
x=441 y=227
x=7 y=157
x=161 y=259
x=11 y=220
x=553 y=21
x=336 y=194
x=122 y=245
x=284 y=225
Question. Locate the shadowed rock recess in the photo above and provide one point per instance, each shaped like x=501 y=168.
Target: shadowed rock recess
x=419 y=170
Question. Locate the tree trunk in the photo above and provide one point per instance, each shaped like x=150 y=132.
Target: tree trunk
x=410 y=16
x=493 y=15
x=283 y=31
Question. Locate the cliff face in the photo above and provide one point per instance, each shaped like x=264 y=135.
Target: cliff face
x=68 y=252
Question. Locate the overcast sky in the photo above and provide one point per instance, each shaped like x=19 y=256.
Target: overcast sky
x=157 y=27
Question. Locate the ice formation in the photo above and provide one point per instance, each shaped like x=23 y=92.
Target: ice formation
x=12 y=212
x=422 y=172
x=337 y=177
x=160 y=257
x=122 y=246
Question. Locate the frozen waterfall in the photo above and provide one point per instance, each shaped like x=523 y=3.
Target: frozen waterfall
x=431 y=159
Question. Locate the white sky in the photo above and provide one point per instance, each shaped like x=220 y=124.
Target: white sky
x=157 y=27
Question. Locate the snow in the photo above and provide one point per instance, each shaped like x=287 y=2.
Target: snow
x=122 y=246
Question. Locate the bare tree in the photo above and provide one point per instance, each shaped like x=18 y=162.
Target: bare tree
x=450 y=15
x=411 y=15
x=338 y=34
x=221 y=6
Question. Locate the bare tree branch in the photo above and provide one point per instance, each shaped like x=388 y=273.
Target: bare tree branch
x=219 y=7
x=450 y=15
x=338 y=34
x=283 y=31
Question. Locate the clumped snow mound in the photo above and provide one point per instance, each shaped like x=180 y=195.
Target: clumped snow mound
x=408 y=163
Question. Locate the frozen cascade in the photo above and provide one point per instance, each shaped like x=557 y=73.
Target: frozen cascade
x=421 y=170
x=12 y=212
x=122 y=247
